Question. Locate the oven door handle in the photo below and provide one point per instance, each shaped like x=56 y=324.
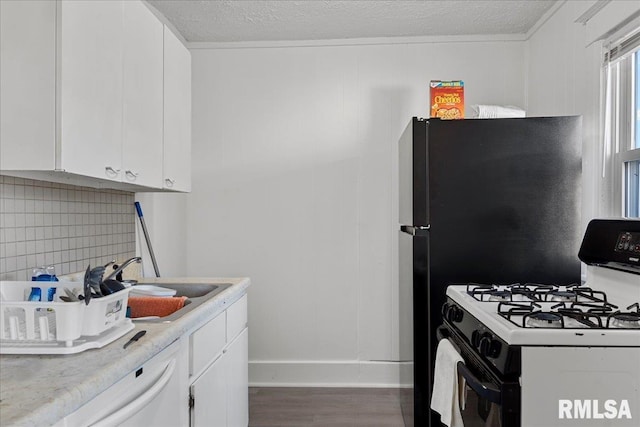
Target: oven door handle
x=483 y=389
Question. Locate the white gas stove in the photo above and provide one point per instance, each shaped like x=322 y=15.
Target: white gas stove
x=545 y=355
x=605 y=311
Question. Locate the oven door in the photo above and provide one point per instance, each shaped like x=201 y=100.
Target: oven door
x=490 y=401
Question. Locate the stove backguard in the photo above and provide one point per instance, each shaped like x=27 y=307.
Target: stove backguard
x=612 y=243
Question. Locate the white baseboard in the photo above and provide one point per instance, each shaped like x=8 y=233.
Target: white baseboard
x=342 y=373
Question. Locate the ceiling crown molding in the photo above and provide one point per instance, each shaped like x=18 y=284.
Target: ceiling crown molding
x=592 y=11
x=359 y=41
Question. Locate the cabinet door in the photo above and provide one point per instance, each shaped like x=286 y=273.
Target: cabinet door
x=238 y=381
x=27 y=85
x=221 y=393
x=90 y=59
x=236 y=318
x=209 y=394
x=206 y=344
x=143 y=86
x=177 y=114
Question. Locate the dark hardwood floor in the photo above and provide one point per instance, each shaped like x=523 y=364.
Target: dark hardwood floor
x=324 y=407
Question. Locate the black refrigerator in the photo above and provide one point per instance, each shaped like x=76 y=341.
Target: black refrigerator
x=494 y=201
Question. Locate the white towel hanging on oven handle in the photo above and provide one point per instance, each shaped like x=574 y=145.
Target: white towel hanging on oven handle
x=448 y=385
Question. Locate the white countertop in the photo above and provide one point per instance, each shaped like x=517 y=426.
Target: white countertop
x=38 y=390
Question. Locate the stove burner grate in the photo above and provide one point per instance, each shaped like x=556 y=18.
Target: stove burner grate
x=591 y=320
x=590 y=295
x=543 y=319
x=518 y=292
x=625 y=320
x=508 y=309
x=595 y=308
x=499 y=296
x=577 y=315
x=557 y=295
x=489 y=292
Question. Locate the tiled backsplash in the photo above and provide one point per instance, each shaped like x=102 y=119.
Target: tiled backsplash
x=70 y=227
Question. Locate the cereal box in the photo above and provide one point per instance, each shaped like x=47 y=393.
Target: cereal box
x=447 y=99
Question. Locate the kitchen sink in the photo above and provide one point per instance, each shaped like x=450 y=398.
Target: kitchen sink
x=196 y=293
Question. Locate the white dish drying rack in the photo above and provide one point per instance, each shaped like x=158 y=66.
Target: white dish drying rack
x=58 y=327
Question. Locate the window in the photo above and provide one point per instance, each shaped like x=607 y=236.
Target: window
x=622 y=125
x=632 y=178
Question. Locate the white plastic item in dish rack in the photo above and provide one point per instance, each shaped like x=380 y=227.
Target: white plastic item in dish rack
x=152 y=291
x=57 y=327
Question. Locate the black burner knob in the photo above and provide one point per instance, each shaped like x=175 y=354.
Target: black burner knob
x=454 y=314
x=444 y=310
x=475 y=338
x=489 y=347
x=485 y=342
x=494 y=349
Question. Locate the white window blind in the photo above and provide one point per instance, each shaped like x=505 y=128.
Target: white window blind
x=623 y=48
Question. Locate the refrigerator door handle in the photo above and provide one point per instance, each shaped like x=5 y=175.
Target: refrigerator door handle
x=422 y=230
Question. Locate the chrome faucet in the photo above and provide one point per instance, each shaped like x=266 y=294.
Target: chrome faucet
x=124 y=265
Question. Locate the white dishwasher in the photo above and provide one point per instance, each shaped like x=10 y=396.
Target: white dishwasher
x=155 y=394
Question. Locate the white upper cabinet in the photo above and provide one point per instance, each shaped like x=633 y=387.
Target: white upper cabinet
x=143 y=96
x=177 y=114
x=27 y=85
x=91 y=78
x=92 y=94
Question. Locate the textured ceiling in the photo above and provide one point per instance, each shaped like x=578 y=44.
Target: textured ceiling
x=232 y=21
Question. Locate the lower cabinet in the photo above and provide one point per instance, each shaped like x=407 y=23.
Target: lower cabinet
x=219 y=392
x=238 y=381
x=210 y=390
x=201 y=380
x=220 y=396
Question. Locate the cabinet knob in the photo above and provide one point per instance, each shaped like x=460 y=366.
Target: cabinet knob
x=111 y=171
x=169 y=182
x=131 y=174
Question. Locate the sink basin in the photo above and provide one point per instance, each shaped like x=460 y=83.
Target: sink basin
x=196 y=293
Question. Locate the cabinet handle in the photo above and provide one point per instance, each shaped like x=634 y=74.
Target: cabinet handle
x=146 y=397
x=169 y=182
x=131 y=174
x=111 y=170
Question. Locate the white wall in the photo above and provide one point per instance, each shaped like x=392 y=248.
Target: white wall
x=295 y=185
x=294 y=178
x=165 y=215
x=564 y=65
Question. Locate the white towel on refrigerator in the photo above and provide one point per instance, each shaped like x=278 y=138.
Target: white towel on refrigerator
x=495 y=112
x=448 y=385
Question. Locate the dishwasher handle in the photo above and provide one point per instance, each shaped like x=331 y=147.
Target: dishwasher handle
x=143 y=400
